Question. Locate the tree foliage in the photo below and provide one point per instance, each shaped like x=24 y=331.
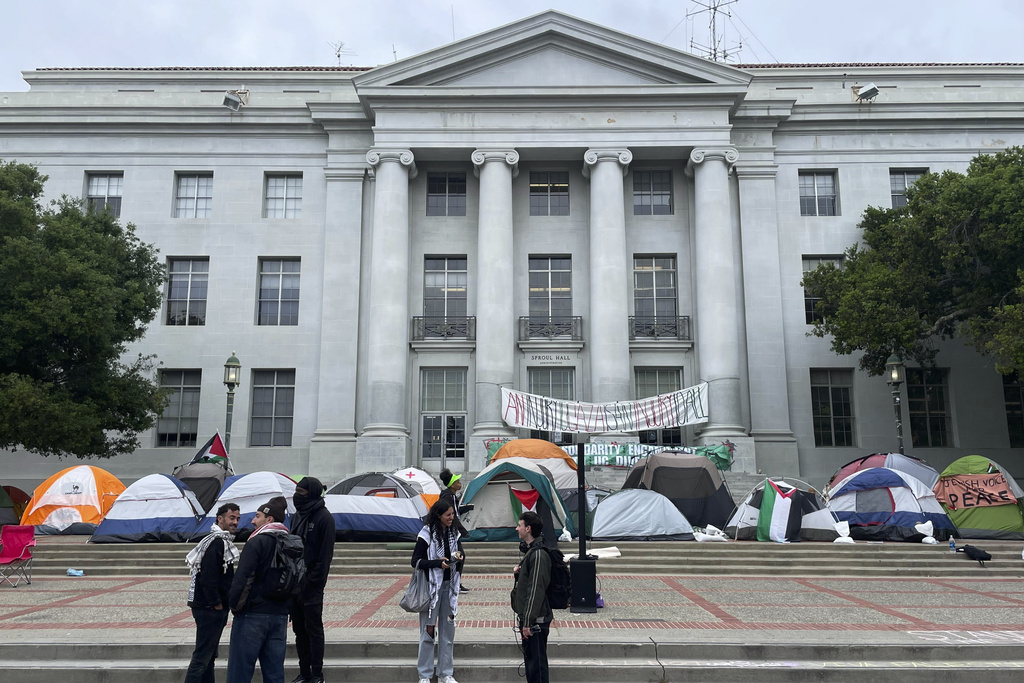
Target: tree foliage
x=75 y=288
x=948 y=264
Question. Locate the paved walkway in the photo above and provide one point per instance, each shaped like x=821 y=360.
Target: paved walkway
x=668 y=609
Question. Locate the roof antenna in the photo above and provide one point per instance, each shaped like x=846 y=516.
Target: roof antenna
x=453 y=23
x=339 y=50
x=713 y=50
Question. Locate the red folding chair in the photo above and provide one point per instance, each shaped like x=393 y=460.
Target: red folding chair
x=16 y=554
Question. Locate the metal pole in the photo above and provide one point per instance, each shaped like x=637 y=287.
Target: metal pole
x=899 y=415
x=581 y=500
x=230 y=413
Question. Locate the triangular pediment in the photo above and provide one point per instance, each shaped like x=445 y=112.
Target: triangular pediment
x=552 y=49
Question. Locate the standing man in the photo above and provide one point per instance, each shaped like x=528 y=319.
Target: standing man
x=315 y=525
x=260 y=628
x=530 y=597
x=211 y=567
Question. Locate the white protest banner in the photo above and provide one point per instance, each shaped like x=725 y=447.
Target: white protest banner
x=684 y=407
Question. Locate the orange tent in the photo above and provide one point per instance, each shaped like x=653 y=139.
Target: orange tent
x=536 y=449
x=80 y=494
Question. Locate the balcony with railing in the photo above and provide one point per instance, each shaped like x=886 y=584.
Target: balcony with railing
x=650 y=327
x=431 y=328
x=551 y=328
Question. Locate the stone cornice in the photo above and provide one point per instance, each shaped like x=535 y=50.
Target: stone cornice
x=508 y=156
x=592 y=157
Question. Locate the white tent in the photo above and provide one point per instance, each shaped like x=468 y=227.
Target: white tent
x=248 y=492
x=418 y=477
x=640 y=515
x=157 y=508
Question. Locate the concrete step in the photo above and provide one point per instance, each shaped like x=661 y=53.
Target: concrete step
x=500 y=661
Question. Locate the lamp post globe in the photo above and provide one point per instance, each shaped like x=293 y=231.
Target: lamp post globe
x=232 y=378
x=895 y=375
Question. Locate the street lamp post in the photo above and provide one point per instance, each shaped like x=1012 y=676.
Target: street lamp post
x=894 y=377
x=232 y=378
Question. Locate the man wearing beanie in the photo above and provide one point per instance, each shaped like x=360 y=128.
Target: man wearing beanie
x=260 y=628
x=315 y=525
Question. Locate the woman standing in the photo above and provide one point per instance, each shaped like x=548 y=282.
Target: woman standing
x=439 y=552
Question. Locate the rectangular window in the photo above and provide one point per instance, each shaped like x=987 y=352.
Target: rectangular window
x=445 y=281
x=899 y=181
x=186 y=291
x=446 y=194
x=1013 y=394
x=652 y=382
x=654 y=289
x=652 y=193
x=551 y=287
x=832 y=407
x=179 y=423
x=443 y=412
x=273 y=405
x=282 y=197
x=811 y=315
x=549 y=193
x=193 y=197
x=928 y=406
x=104 y=192
x=557 y=383
x=818 y=193
x=279 y=292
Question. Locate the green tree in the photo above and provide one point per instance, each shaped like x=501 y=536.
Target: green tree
x=950 y=264
x=75 y=288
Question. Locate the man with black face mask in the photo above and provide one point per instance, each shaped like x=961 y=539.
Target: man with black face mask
x=315 y=525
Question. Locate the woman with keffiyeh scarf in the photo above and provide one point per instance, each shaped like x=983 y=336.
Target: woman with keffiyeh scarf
x=439 y=553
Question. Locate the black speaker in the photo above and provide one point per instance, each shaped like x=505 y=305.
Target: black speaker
x=584 y=585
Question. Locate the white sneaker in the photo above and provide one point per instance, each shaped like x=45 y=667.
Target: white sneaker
x=446 y=679
x=424 y=680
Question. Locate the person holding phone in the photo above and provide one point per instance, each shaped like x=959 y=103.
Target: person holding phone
x=440 y=554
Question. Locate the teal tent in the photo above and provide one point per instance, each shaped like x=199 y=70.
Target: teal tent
x=502 y=491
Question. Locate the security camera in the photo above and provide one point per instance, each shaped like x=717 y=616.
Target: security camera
x=868 y=92
x=232 y=101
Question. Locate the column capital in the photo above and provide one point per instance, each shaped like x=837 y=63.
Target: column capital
x=594 y=156
x=375 y=157
x=508 y=156
x=699 y=155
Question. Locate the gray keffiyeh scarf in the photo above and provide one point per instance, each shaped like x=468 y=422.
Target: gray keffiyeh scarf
x=435 y=551
x=195 y=556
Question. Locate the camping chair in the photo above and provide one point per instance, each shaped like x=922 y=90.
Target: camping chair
x=15 y=553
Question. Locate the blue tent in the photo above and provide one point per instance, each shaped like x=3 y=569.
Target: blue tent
x=373 y=518
x=156 y=509
x=881 y=504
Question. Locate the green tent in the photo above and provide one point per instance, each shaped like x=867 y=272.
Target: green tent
x=7 y=513
x=989 y=518
x=496 y=509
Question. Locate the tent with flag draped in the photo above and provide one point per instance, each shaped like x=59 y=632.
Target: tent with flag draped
x=156 y=509
x=204 y=475
x=782 y=511
x=982 y=499
x=502 y=491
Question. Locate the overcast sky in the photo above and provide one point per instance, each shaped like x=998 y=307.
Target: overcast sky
x=41 y=33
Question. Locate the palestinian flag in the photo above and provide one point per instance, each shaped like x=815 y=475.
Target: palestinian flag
x=213 y=452
x=523 y=501
x=780 y=515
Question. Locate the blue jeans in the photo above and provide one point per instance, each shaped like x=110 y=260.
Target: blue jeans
x=257 y=636
x=209 y=626
x=444 y=636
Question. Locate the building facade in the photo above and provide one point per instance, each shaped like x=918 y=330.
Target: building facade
x=551 y=206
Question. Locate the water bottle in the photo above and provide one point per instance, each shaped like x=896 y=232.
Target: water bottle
x=952 y=545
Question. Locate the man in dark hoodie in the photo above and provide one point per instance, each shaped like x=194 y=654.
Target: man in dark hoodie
x=315 y=525
x=260 y=628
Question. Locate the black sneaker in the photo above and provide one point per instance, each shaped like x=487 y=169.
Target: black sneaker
x=316 y=679
x=302 y=679
x=463 y=589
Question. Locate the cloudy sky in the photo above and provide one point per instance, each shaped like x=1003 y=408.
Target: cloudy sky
x=42 y=33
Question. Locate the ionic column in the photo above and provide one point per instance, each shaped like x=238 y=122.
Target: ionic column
x=719 y=308
x=384 y=442
x=609 y=276
x=495 y=313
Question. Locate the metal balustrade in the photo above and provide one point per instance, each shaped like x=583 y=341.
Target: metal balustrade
x=430 y=328
x=644 y=327
x=554 y=327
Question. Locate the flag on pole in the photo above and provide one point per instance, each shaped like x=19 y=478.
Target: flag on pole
x=775 y=522
x=523 y=501
x=213 y=451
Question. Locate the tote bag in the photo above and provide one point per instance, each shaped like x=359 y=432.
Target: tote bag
x=417 y=595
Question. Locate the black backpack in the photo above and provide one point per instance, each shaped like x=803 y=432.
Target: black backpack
x=560 y=586
x=978 y=554
x=287 y=575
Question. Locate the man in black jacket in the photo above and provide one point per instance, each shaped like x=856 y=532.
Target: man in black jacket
x=260 y=628
x=315 y=525
x=530 y=597
x=212 y=564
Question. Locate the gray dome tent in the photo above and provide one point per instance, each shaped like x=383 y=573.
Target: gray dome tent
x=640 y=515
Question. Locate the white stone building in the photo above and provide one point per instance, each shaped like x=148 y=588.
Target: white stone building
x=551 y=206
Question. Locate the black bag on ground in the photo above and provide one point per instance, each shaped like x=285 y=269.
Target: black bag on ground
x=560 y=587
x=287 y=575
x=975 y=554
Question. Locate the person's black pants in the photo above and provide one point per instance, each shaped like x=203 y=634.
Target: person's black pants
x=209 y=626
x=535 y=654
x=308 y=624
